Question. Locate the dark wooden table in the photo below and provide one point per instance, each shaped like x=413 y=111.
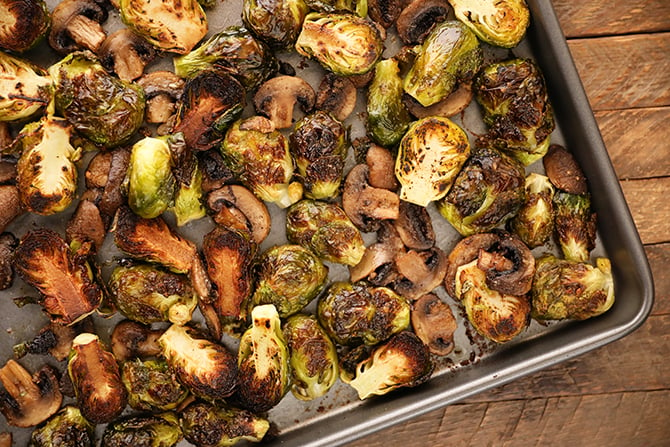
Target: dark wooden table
x=618 y=395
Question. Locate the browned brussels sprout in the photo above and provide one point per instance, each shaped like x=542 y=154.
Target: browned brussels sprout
x=501 y=23
x=325 y=229
x=488 y=191
x=161 y=430
x=516 y=109
x=403 y=361
x=95 y=375
x=65 y=279
x=345 y=44
x=534 y=223
x=67 y=428
x=277 y=22
x=24 y=24
x=206 y=368
x=571 y=289
x=151 y=385
x=449 y=55
x=314 y=363
x=26 y=88
x=388 y=118
x=356 y=313
x=574 y=225
x=360 y=7
x=263 y=362
x=206 y=425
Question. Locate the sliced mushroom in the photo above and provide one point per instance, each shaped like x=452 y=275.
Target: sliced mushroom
x=131 y=340
x=97 y=171
x=8 y=243
x=417 y=20
x=234 y=206
x=162 y=90
x=10 y=204
x=434 y=323
x=422 y=271
x=6 y=138
x=5 y=439
x=372 y=263
x=54 y=339
x=365 y=205
x=277 y=97
x=381 y=168
x=86 y=224
x=415 y=226
x=465 y=251
x=564 y=171
x=7 y=172
x=76 y=25
x=385 y=12
x=336 y=95
x=105 y=173
x=126 y=54
x=452 y=105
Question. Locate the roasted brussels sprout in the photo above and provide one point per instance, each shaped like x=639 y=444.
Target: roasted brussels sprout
x=64 y=278
x=259 y=155
x=175 y=25
x=403 y=361
x=388 y=118
x=151 y=185
x=101 y=107
x=26 y=88
x=534 y=223
x=325 y=229
x=277 y=22
x=356 y=313
x=67 y=428
x=314 y=364
x=516 y=108
x=234 y=50
x=319 y=146
x=25 y=23
x=46 y=171
x=188 y=205
x=206 y=368
x=574 y=225
x=206 y=425
x=151 y=385
x=161 y=430
x=450 y=54
x=95 y=375
x=360 y=7
x=571 y=289
x=501 y=23
x=489 y=190
x=345 y=44
x=430 y=156
x=148 y=294
x=263 y=362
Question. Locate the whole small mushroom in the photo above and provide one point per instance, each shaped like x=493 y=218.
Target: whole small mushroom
x=434 y=323
x=277 y=97
x=10 y=203
x=76 y=25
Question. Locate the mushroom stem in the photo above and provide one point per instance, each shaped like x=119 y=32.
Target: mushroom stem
x=86 y=33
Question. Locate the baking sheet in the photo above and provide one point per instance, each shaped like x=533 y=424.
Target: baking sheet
x=476 y=365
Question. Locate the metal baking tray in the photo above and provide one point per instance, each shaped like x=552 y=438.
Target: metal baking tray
x=475 y=365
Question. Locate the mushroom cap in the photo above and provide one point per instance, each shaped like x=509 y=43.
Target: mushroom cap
x=236 y=207
x=130 y=340
x=126 y=54
x=277 y=96
x=564 y=171
x=434 y=323
x=365 y=205
x=337 y=95
x=417 y=20
x=73 y=20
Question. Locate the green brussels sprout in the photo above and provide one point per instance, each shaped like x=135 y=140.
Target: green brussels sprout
x=502 y=23
x=314 y=364
x=319 y=146
x=574 y=225
x=403 y=361
x=234 y=50
x=430 y=156
x=24 y=24
x=516 y=108
x=277 y=22
x=170 y=25
x=345 y=44
x=102 y=107
x=151 y=385
x=187 y=201
x=161 y=430
x=67 y=428
x=25 y=87
x=101 y=396
x=206 y=425
x=325 y=229
x=488 y=191
x=148 y=294
x=259 y=155
x=359 y=7
x=150 y=183
x=288 y=276
x=388 y=118
x=206 y=368
x=356 y=313
x=564 y=289
x=263 y=361
x=534 y=223
x=46 y=171
x=451 y=53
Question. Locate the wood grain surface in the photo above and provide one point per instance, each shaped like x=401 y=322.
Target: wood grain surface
x=618 y=395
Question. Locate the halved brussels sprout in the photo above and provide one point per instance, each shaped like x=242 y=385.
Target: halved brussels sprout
x=575 y=225
x=276 y=22
x=534 y=223
x=24 y=24
x=501 y=23
x=388 y=118
x=150 y=183
x=25 y=87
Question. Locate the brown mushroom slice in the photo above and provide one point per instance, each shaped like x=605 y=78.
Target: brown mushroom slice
x=336 y=95
x=418 y=18
x=277 y=97
x=434 y=323
x=10 y=203
x=86 y=224
x=7 y=171
x=126 y=54
x=236 y=207
x=8 y=243
x=112 y=194
x=464 y=252
x=414 y=226
x=28 y=400
x=162 y=90
x=76 y=25
x=509 y=265
x=376 y=256
x=5 y=439
x=97 y=171
x=365 y=205
x=452 y=105
x=564 y=171
x=385 y=12
x=131 y=340
x=423 y=272
x=381 y=168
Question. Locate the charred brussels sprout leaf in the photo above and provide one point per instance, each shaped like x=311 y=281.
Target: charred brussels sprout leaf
x=188 y=204
x=345 y=44
x=388 y=118
x=359 y=7
x=575 y=225
x=450 y=54
x=160 y=430
x=151 y=185
x=24 y=24
x=403 y=361
x=276 y=22
x=488 y=191
x=314 y=363
x=25 y=87
x=534 y=223
x=430 y=156
x=501 y=23
x=67 y=428
x=101 y=107
x=151 y=385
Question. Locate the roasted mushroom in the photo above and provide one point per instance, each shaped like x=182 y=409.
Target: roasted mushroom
x=455 y=103
x=131 y=340
x=564 y=171
x=414 y=226
x=381 y=165
x=385 y=12
x=420 y=271
x=10 y=204
x=434 y=323
x=277 y=96
x=417 y=20
x=162 y=90
x=86 y=224
x=337 y=95
x=126 y=54
x=24 y=24
x=76 y=25
x=234 y=206
x=8 y=243
x=365 y=205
